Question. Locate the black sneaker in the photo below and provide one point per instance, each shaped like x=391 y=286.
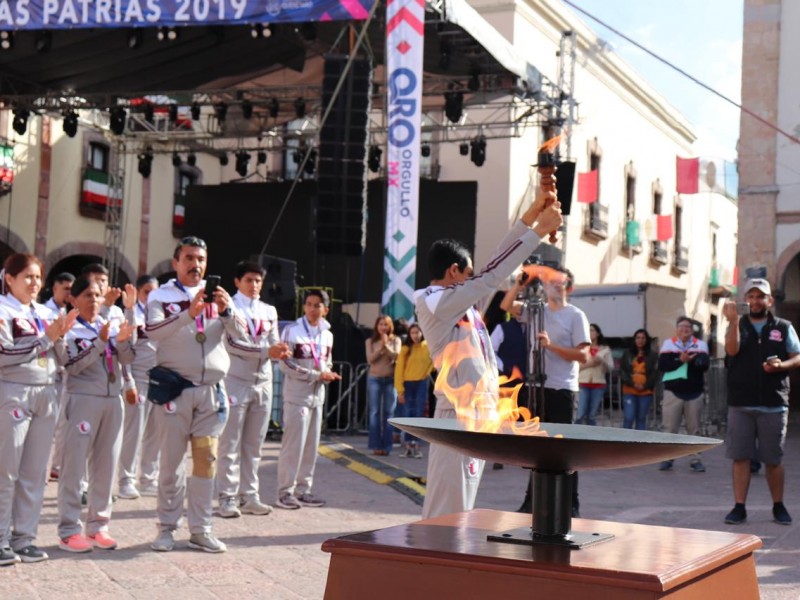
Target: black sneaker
x=665 y=465
x=8 y=556
x=780 y=515
x=737 y=516
x=31 y=554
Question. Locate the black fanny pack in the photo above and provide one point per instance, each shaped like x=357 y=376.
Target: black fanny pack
x=165 y=385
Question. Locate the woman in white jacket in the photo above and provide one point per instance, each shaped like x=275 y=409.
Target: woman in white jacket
x=31 y=348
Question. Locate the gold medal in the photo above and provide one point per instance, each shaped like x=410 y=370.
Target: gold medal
x=42 y=361
x=111 y=378
x=200 y=337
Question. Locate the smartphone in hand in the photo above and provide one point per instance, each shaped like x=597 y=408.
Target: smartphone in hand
x=212 y=283
x=742 y=308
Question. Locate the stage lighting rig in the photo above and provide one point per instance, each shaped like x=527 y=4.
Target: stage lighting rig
x=146 y=162
x=70 y=124
x=242 y=161
x=195 y=110
x=374 y=158
x=477 y=152
x=20 y=123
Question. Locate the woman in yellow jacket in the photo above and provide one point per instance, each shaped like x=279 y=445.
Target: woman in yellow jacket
x=411 y=373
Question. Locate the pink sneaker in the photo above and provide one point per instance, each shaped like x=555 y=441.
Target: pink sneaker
x=75 y=543
x=102 y=540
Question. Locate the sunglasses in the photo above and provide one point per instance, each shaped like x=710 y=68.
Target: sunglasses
x=193 y=241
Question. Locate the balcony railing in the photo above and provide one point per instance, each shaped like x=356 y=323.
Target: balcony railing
x=596 y=223
x=681 y=260
x=658 y=253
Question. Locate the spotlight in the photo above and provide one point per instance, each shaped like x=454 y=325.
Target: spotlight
x=20 y=123
x=477 y=153
x=117 y=119
x=261 y=157
x=167 y=33
x=221 y=111
x=374 y=158
x=242 y=160
x=247 y=109
x=463 y=148
x=425 y=151
x=223 y=160
x=311 y=162
x=297 y=155
x=43 y=41
x=172 y=113
x=300 y=108
x=274 y=108
x=6 y=40
x=260 y=30
x=191 y=159
x=70 y=123
x=453 y=105
x=146 y=162
x=195 y=110
x=135 y=38
x=149 y=112
x=176 y=160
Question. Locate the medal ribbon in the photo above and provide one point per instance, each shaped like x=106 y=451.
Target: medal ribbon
x=109 y=345
x=480 y=327
x=252 y=324
x=314 y=343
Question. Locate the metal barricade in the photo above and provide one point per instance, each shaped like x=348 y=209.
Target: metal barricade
x=715 y=414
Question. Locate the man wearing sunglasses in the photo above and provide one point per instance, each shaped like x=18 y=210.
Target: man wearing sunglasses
x=189 y=332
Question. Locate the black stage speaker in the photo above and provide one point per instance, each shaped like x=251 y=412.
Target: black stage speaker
x=280 y=287
x=565 y=182
x=341 y=179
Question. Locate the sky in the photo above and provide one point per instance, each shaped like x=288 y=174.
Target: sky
x=703 y=38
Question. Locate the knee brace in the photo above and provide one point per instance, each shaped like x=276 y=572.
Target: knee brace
x=204 y=456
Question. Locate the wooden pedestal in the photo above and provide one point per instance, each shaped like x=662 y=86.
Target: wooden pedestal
x=449 y=557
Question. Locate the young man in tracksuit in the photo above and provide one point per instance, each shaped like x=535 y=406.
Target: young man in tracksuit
x=307 y=371
x=189 y=334
x=446 y=312
x=249 y=385
x=139 y=437
x=683 y=360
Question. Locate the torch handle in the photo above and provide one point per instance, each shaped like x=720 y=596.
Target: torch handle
x=546 y=172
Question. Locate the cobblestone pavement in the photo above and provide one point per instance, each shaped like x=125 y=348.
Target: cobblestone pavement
x=278 y=556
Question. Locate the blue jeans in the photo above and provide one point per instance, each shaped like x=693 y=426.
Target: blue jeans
x=635 y=409
x=589 y=402
x=381 y=402
x=414 y=406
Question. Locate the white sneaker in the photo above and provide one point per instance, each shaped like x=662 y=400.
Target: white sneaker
x=228 y=508
x=207 y=543
x=164 y=542
x=128 y=491
x=149 y=489
x=253 y=506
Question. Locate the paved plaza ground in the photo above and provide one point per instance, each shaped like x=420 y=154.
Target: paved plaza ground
x=279 y=557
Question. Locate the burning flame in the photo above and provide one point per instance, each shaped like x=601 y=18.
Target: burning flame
x=483 y=406
x=550 y=145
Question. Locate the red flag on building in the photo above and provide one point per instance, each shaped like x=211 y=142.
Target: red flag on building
x=663 y=227
x=688 y=175
x=587 y=187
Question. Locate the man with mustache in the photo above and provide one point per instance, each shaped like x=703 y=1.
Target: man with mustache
x=189 y=333
x=761 y=349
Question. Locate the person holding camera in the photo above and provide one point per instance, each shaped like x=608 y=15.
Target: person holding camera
x=187 y=318
x=565 y=339
x=683 y=361
x=760 y=350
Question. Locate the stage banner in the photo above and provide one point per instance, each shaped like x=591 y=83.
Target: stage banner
x=405 y=37
x=71 y=14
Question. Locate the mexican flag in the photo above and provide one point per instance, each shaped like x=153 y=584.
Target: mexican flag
x=96 y=188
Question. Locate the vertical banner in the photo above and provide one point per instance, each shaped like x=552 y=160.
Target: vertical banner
x=405 y=36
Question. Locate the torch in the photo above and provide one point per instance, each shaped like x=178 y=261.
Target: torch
x=547 y=166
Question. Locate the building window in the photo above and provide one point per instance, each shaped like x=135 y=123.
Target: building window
x=632 y=238
x=658 y=249
x=96 y=183
x=185 y=177
x=596 y=224
x=681 y=259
